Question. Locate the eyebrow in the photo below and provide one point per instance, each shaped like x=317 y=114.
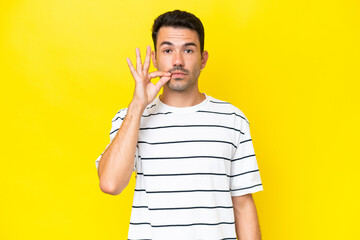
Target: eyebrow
x=171 y=44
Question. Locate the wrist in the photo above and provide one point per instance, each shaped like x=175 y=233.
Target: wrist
x=136 y=107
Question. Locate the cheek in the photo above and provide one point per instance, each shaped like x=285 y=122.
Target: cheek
x=162 y=63
x=196 y=66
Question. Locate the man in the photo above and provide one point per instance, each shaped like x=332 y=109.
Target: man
x=194 y=158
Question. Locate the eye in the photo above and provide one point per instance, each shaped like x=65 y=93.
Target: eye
x=167 y=51
x=189 y=51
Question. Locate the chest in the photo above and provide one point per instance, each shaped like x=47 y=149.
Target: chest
x=184 y=144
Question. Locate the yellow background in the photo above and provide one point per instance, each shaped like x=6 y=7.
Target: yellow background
x=291 y=66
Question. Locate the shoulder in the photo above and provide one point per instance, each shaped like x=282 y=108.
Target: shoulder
x=121 y=113
x=226 y=107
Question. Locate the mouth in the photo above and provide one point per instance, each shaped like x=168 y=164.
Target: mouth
x=178 y=75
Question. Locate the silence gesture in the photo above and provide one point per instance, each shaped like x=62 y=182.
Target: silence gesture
x=145 y=91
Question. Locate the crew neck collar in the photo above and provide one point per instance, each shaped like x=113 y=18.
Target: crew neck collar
x=162 y=107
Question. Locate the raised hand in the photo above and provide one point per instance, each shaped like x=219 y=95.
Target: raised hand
x=145 y=91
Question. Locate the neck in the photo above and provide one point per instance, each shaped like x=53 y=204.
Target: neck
x=181 y=98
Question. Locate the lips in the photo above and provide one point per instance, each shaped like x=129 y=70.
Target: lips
x=178 y=74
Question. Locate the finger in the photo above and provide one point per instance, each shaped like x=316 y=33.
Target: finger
x=161 y=83
x=138 y=60
x=131 y=67
x=147 y=60
x=159 y=74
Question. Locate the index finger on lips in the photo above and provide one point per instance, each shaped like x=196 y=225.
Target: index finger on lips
x=159 y=74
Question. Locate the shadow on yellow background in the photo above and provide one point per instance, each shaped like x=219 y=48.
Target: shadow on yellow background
x=291 y=66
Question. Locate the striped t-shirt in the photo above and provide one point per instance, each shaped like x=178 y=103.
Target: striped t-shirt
x=189 y=163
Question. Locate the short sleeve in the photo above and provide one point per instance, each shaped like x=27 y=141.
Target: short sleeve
x=115 y=125
x=245 y=175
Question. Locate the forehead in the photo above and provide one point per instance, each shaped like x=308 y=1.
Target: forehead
x=177 y=35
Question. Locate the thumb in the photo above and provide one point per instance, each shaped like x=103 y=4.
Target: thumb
x=162 y=81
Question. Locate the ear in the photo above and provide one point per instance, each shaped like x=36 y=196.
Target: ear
x=153 y=57
x=204 y=58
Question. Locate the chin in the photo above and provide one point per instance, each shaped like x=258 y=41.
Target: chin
x=177 y=87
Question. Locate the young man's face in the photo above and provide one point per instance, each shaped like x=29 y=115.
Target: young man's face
x=178 y=52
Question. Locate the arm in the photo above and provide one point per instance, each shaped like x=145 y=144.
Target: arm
x=246 y=220
x=116 y=165
x=117 y=161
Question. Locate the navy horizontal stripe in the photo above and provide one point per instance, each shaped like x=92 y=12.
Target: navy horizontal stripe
x=171 y=126
x=236 y=159
x=245 y=173
x=246 y=187
x=183 y=208
x=249 y=140
x=118 y=118
x=181 y=225
x=219 y=102
x=181 y=191
x=151 y=106
x=185 y=174
x=203 y=111
x=165 y=158
x=180 y=126
x=114 y=131
x=140 y=239
x=188 y=141
x=153 y=114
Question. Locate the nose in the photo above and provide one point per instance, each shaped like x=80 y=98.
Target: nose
x=178 y=60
